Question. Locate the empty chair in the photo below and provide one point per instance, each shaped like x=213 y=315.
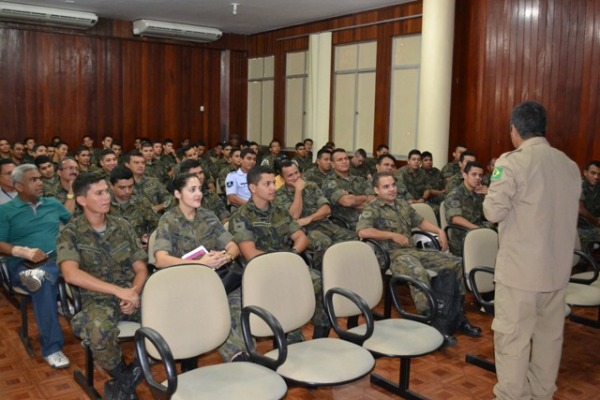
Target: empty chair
x=350 y=270
x=185 y=313
x=583 y=289
x=480 y=248
x=278 y=298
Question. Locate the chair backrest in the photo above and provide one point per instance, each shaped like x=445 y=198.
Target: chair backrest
x=151 y=244
x=187 y=305
x=280 y=283
x=425 y=211
x=480 y=248
x=443 y=222
x=576 y=257
x=352 y=265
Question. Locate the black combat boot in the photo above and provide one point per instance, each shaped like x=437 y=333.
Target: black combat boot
x=464 y=325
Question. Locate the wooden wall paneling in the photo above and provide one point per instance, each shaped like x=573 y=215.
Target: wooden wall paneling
x=511 y=51
x=383 y=84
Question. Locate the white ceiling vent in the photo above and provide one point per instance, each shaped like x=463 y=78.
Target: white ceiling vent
x=46 y=16
x=168 y=30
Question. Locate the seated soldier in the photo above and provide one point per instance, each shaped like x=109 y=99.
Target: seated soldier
x=387 y=163
x=435 y=179
x=260 y=226
x=210 y=201
x=347 y=194
x=186 y=227
x=235 y=161
x=309 y=208
x=47 y=170
x=68 y=169
x=358 y=164
x=301 y=159
x=322 y=170
x=7 y=189
x=147 y=186
x=464 y=206
x=107 y=161
x=391 y=221
x=29 y=225
x=589 y=206
x=457 y=179
x=274 y=150
x=452 y=168
x=134 y=209
x=236 y=183
x=102 y=255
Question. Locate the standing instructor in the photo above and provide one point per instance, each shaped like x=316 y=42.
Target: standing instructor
x=534 y=196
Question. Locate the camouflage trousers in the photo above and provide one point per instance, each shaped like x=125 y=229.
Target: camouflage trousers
x=415 y=263
x=588 y=236
x=235 y=341
x=321 y=235
x=97 y=323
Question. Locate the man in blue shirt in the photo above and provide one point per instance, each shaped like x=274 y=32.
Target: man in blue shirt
x=29 y=227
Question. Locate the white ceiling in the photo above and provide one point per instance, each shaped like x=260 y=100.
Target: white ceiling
x=253 y=16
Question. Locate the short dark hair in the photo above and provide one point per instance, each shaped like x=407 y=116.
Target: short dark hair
x=167 y=141
x=274 y=141
x=426 y=154
x=116 y=143
x=255 y=173
x=529 y=119
x=595 y=163
x=472 y=164
x=134 y=153
x=37 y=146
x=466 y=154
x=278 y=163
x=81 y=149
x=146 y=143
x=307 y=140
x=201 y=143
x=382 y=146
x=298 y=145
x=82 y=183
x=338 y=150
x=413 y=152
x=39 y=160
x=384 y=156
x=120 y=172
x=361 y=152
x=6 y=161
x=247 y=151
x=186 y=165
x=324 y=150
x=104 y=153
x=378 y=175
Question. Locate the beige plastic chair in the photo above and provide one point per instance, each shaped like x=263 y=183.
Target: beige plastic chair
x=278 y=298
x=480 y=248
x=351 y=270
x=583 y=289
x=185 y=313
x=425 y=211
x=151 y=244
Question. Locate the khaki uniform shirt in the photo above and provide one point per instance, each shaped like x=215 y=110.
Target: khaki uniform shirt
x=534 y=195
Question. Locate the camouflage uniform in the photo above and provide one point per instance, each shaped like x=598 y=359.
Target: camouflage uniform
x=60 y=194
x=222 y=176
x=321 y=234
x=335 y=187
x=401 y=218
x=166 y=163
x=590 y=196
x=108 y=257
x=469 y=205
x=317 y=176
x=486 y=179
x=269 y=160
x=138 y=212
x=362 y=170
x=452 y=168
x=211 y=201
x=153 y=190
x=435 y=180
x=50 y=185
x=416 y=183
x=154 y=169
x=303 y=164
x=455 y=181
x=270 y=230
x=177 y=235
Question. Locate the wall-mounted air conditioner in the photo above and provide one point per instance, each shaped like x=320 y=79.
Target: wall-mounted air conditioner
x=168 y=30
x=46 y=16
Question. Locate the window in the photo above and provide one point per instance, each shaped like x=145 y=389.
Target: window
x=261 y=81
x=354 y=95
x=404 y=105
x=296 y=77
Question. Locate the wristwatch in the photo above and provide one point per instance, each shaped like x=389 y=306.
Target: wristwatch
x=70 y=196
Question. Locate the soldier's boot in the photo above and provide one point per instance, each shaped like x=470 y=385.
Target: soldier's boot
x=126 y=379
x=464 y=325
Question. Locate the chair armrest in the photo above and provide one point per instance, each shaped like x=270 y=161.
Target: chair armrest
x=590 y=261
x=159 y=391
x=74 y=297
x=473 y=285
x=340 y=221
x=434 y=240
x=380 y=252
x=279 y=336
x=428 y=318
x=364 y=309
x=453 y=227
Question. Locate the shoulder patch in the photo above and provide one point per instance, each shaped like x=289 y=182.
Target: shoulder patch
x=230 y=184
x=497 y=174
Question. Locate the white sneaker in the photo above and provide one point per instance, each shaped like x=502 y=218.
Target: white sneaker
x=57 y=360
x=32 y=279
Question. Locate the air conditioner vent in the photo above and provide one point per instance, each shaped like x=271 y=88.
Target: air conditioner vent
x=169 y=30
x=46 y=16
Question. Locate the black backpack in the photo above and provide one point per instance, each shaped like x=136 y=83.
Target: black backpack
x=446 y=293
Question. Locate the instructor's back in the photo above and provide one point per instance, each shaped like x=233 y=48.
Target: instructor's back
x=534 y=196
